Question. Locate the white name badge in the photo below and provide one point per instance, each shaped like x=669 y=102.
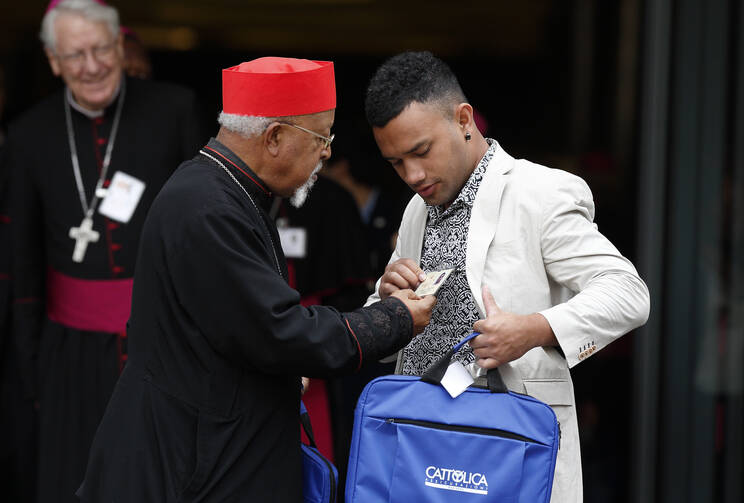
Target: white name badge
x=122 y=197
x=456 y=379
x=294 y=242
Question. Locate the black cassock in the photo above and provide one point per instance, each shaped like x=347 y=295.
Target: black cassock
x=69 y=365
x=207 y=406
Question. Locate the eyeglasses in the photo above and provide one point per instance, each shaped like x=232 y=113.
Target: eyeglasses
x=327 y=140
x=101 y=53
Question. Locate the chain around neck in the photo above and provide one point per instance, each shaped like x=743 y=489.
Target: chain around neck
x=90 y=208
x=271 y=240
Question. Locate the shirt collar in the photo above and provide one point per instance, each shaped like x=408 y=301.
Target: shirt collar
x=244 y=174
x=467 y=194
x=91 y=114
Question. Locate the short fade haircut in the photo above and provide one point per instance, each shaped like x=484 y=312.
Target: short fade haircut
x=410 y=77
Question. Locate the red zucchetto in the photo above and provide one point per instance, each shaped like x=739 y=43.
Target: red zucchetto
x=278 y=87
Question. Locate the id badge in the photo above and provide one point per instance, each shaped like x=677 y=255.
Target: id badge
x=122 y=197
x=294 y=241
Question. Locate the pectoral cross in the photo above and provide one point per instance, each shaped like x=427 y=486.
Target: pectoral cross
x=82 y=236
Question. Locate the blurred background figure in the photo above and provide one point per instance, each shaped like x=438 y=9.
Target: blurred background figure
x=136 y=58
x=3 y=97
x=377 y=206
x=356 y=166
x=73 y=261
x=17 y=417
x=347 y=229
x=326 y=252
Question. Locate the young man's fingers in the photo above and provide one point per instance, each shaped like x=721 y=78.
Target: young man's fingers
x=487 y=363
x=489 y=302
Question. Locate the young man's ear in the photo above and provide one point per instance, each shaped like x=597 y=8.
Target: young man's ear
x=464 y=116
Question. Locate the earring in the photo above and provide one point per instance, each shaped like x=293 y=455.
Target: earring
x=467 y=137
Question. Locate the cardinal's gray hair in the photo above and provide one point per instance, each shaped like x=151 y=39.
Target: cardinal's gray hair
x=245 y=125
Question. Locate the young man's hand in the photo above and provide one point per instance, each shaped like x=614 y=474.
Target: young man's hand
x=402 y=274
x=505 y=336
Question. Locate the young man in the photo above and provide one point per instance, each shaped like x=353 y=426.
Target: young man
x=532 y=273
x=207 y=407
x=72 y=157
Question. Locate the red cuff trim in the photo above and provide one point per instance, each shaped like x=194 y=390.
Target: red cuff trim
x=4 y=219
x=359 y=347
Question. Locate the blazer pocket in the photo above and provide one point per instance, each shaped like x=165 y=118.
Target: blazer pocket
x=550 y=391
x=500 y=267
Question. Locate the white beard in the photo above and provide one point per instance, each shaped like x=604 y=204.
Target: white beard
x=300 y=195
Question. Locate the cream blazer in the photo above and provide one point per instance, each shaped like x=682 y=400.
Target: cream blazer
x=533 y=242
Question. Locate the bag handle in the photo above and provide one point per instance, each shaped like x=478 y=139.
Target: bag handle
x=436 y=372
x=305 y=421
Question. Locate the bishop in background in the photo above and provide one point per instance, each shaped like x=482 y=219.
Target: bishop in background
x=86 y=164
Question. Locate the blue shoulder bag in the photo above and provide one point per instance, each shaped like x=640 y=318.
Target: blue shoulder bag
x=413 y=442
x=319 y=476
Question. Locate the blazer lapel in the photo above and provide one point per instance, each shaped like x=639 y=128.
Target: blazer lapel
x=415 y=224
x=483 y=221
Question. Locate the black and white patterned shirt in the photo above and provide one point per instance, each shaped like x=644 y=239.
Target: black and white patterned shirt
x=444 y=247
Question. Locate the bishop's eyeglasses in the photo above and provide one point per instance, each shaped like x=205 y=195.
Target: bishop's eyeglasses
x=327 y=140
x=101 y=53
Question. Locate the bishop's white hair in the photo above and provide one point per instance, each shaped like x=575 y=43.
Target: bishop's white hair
x=89 y=9
x=247 y=126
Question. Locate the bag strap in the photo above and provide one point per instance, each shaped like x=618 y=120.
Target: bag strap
x=305 y=421
x=436 y=372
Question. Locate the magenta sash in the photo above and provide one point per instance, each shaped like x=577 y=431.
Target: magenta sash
x=92 y=305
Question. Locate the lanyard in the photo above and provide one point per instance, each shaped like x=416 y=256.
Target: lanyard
x=99 y=192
